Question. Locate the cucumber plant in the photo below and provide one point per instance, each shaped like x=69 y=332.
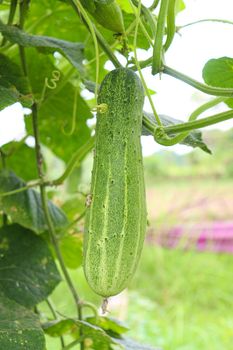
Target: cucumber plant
x=51 y=53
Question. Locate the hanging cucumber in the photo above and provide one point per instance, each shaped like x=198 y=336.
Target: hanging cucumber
x=107 y=13
x=116 y=216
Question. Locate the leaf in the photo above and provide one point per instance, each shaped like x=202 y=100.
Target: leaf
x=71 y=249
x=56 y=111
x=129 y=344
x=193 y=140
x=74 y=206
x=109 y=324
x=28 y=273
x=58 y=328
x=219 y=72
x=25 y=208
x=125 y=6
x=73 y=51
x=95 y=336
x=13 y=85
x=18 y=151
x=179 y=6
x=20 y=327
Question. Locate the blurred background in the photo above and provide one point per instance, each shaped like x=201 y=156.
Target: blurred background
x=181 y=295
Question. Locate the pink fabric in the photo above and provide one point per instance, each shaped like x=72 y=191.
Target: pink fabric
x=216 y=237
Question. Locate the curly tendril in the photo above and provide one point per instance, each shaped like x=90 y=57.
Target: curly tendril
x=50 y=83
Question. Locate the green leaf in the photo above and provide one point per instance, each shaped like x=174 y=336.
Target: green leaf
x=59 y=327
x=125 y=6
x=72 y=51
x=95 y=336
x=18 y=151
x=109 y=324
x=193 y=140
x=74 y=206
x=57 y=110
x=13 y=85
x=180 y=6
x=20 y=328
x=71 y=249
x=28 y=273
x=25 y=208
x=219 y=72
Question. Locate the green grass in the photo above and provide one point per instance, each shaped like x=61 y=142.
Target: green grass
x=182 y=300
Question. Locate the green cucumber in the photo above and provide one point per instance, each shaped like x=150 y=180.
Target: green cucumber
x=116 y=215
x=107 y=13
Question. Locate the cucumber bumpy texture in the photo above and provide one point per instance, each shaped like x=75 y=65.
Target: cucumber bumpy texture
x=116 y=217
x=109 y=15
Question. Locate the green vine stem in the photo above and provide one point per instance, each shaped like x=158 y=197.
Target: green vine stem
x=154 y=5
x=23 y=7
x=93 y=34
x=13 y=7
x=147 y=14
x=203 y=21
x=201 y=109
x=210 y=90
x=92 y=307
x=162 y=138
x=200 y=86
x=198 y=124
x=158 y=44
x=102 y=42
x=137 y=15
x=127 y=32
x=44 y=201
x=163 y=132
x=3 y=159
x=75 y=342
x=171 y=24
x=78 y=156
x=74 y=222
x=54 y=314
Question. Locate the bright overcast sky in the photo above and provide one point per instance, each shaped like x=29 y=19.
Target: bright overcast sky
x=189 y=51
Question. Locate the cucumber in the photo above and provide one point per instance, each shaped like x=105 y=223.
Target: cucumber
x=115 y=222
x=107 y=13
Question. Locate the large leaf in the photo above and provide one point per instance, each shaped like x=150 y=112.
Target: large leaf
x=109 y=324
x=25 y=208
x=58 y=109
x=13 y=85
x=71 y=248
x=72 y=51
x=96 y=337
x=219 y=73
x=19 y=327
x=193 y=140
x=28 y=273
x=18 y=151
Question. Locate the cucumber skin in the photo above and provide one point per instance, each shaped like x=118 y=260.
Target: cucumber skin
x=108 y=15
x=116 y=218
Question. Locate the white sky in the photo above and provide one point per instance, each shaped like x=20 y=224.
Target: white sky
x=188 y=54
